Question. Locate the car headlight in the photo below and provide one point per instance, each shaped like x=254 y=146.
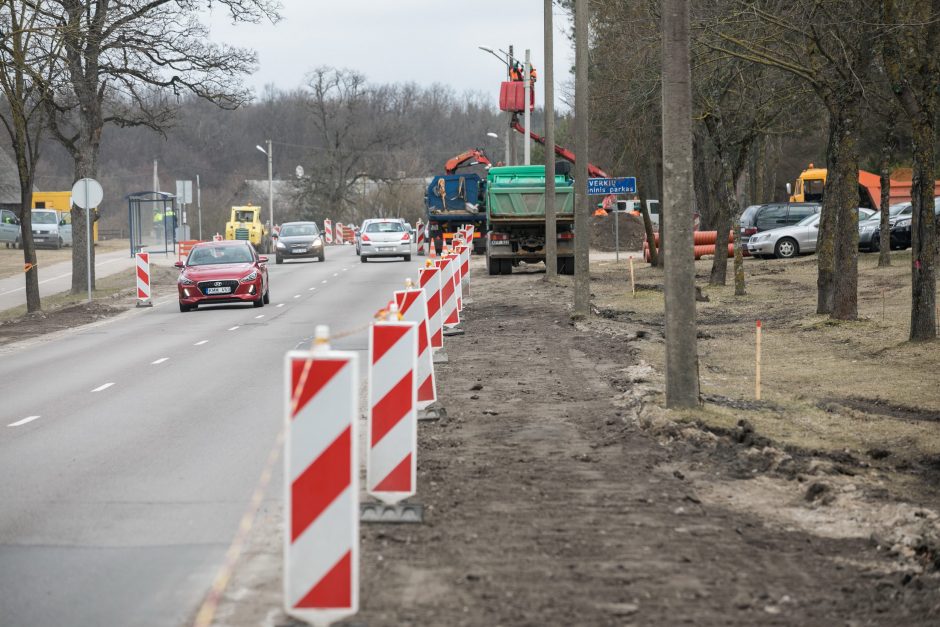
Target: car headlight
x=186 y=280
x=251 y=277
x=902 y=223
x=281 y=245
x=868 y=228
x=317 y=242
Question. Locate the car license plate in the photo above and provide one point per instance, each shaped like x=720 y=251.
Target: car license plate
x=218 y=290
x=299 y=251
x=386 y=247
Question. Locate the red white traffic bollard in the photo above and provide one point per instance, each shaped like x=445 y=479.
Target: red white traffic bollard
x=328 y=230
x=391 y=464
x=458 y=283
x=143 y=280
x=414 y=308
x=321 y=531
x=448 y=293
x=429 y=279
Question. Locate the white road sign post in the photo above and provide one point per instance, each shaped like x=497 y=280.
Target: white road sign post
x=87 y=193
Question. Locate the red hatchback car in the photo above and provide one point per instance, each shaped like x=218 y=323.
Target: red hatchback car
x=223 y=272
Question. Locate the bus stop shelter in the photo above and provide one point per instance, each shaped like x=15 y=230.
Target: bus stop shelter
x=152 y=222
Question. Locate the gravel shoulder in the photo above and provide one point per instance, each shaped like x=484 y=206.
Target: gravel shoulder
x=557 y=491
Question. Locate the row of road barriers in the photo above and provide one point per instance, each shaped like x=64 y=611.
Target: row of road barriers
x=322 y=508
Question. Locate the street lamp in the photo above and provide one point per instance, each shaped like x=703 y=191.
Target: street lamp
x=504 y=58
x=493 y=135
x=270 y=154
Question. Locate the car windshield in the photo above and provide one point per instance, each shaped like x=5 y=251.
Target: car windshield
x=385 y=227
x=901 y=207
x=44 y=217
x=209 y=255
x=294 y=230
x=244 y=216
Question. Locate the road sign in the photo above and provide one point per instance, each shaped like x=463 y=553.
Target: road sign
x=87 y=193
x=625 y=185
x=184 y=192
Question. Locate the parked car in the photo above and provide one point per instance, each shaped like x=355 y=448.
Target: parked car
x=901 y=229
x=51 y=228
x=298 y=240
x=9 y=228
x=227 y=271
x=384 y=238
x=869 y=231
x=758 y=218
x=790 y=241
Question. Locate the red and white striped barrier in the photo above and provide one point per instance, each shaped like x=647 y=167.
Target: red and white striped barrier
x=458 y=283
x=338 y=233
x=321 y=531
x=419 y=229
x=391 y=465
x=328 y=230
x=143 y=280
x=413 y=307
x=448 y=292
x=429 y=279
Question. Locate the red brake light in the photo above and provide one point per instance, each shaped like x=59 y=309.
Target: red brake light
x=566 y=235
x=498 y=237
x=406 y=237
x=751 y=230
x=365 y=238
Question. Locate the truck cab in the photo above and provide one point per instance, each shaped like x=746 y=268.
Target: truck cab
x=245 y=224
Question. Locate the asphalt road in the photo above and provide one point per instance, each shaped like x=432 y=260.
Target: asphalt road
x=129 y=449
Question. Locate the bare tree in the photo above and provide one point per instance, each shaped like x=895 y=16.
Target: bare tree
x=28 y=46
x=126 y=63
x=582 y=269
x=911 y=54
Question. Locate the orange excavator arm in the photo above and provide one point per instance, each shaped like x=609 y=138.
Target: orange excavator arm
x=561 y=151
x=474 y=156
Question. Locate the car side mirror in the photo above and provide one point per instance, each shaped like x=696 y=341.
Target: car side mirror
x=262 y=259
x=179 y=264
x=61 y=222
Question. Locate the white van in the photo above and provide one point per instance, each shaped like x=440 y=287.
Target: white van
x=652 y=206
x=51 y=228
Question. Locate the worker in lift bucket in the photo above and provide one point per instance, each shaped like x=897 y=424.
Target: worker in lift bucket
x=517 y=71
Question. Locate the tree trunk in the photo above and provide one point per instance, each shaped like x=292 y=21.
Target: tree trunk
x=825 y=240
x=727 y=206
x=923 y=232
x=582 y=205
x=650 y=235
x=884 y=171
x=845 y=240
x=85 y=165
x=33 y=301
x=738 y=256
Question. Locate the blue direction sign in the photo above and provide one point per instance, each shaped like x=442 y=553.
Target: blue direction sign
x=605 y=187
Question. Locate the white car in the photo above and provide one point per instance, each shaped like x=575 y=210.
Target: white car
x=790 y=241
x=51 y=228
x=384 y=238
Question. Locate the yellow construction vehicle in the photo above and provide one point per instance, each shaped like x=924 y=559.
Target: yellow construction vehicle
x=245 y=224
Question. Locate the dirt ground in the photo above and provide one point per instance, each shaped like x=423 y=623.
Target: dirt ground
x=559 y=492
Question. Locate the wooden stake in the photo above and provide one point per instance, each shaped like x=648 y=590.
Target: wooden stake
x=882 y=304
x=632 y=278
x=757 y=365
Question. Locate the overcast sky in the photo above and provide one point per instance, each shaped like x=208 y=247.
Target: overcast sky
x=391 y=41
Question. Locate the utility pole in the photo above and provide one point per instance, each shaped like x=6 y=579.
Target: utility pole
x=527 y=94
x=271 y=184
x=582 y=236
x=510 y=138
x=551 y=241
x=682 y=385
x=199 y=205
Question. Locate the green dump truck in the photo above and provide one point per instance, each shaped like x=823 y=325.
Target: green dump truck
x=516 y=218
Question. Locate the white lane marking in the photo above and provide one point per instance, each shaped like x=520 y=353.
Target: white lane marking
x=345 y=269
x=259 y=316
x=336 y=274
x=23 y=421
x=200 y=342
x=296 y=295
x=233 y=328
x=103 y=387
x=280 y=304
x=159 y=361
x=310 y=289
x=323 y=281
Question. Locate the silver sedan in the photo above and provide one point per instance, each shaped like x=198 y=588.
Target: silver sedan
x=790 y=241
x=384 y=238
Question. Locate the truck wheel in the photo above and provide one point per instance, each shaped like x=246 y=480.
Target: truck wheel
x=565 y=265
x=492 y=266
